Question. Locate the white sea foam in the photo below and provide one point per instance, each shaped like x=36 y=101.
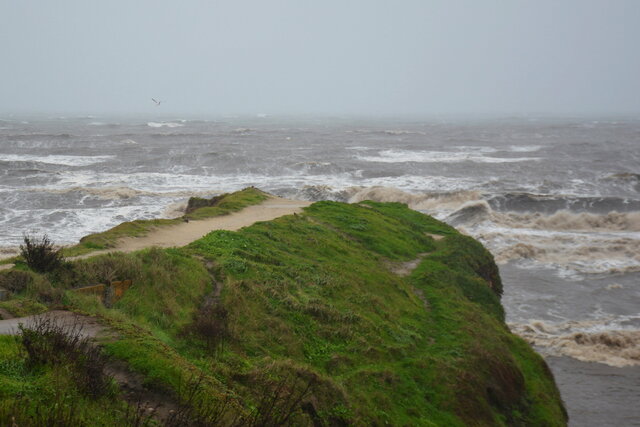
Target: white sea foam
x=426 y=202
x=524 y=148
x=56 y=159
x=164 y=124
x=402 y=132
x=571 y=254
x=597 y=340
x=404 y=156
x=168 y=182
x=565 y=220
x=118 y=193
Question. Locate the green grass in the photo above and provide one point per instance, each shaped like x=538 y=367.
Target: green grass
x=228 y=203
x=310 y=297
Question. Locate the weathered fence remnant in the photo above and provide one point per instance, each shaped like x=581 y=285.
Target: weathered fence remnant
x=109 y=293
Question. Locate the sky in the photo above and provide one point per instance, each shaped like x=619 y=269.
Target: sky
x=378 y=57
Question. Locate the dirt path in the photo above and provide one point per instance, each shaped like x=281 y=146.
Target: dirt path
x=91 y=328
x=187 y=232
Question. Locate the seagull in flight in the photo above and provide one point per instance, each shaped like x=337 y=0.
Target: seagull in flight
x=156 y=101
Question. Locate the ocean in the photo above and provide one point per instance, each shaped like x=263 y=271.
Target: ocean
x=557 y=202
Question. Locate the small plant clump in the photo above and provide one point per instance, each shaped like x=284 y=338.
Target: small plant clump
x=40 y=254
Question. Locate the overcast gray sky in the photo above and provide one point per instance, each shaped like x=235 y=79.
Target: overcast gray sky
x=328 y=57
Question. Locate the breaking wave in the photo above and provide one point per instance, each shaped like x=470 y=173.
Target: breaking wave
x=582 y=340
x=405 y=156
x=565 y=220
x=164 y=124
x=391 y=132
x=524 y=148
x=119 y=193
x=402 y=132
x=56 y=159
x=422 y=202
x=570 y=254
x=528 y=202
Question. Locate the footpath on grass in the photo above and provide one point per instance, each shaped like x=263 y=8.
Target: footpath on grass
x=184 y=233
x=187 y=232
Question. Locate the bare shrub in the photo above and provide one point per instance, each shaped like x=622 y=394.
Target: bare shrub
x=281 y=398
x=40 y=254
x=107 y=268
x=49 y=341
x=15 y=281
x=211 y=324
x=198 y=409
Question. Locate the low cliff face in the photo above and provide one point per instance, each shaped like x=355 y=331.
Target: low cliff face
x=361 y=314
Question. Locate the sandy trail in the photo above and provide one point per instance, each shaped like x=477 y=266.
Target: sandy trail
x=90 y=327
x=185 y=233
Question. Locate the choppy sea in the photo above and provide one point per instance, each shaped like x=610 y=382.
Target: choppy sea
x=557 y=202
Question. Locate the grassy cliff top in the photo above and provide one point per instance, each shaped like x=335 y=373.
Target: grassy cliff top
x=313 y=319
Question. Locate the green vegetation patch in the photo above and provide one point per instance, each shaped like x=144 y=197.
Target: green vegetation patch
x=20 y=307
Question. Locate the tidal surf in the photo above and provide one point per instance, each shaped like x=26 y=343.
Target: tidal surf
x=557 y=202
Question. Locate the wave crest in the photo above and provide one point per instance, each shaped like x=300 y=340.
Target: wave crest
x=164 y=124
x=120 y=193
x=565 y=220
x=420 y=202
x=405 y=156
x=612 y=347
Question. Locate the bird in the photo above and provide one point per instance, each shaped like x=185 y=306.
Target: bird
x=157 y=102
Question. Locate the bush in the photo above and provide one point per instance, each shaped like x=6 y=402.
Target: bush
x=15 y=281
x=107 y=268
x=40 y=254
x=211 y=324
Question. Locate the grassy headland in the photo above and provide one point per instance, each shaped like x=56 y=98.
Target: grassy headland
x=302 y=321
